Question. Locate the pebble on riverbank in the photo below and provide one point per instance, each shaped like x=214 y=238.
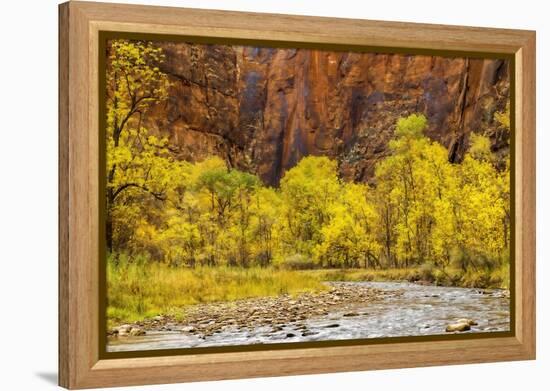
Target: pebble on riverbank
x=461 y=325
x=457 y=327
x=127 y=330
x=470 y=322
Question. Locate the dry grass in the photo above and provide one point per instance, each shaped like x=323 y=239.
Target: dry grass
x=140 y=289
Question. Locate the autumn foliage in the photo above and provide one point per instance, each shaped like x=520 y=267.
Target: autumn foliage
x=419 y=210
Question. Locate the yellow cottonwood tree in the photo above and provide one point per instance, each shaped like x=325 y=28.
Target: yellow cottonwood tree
x=348 y=238
x=406 y=184
x=307 y=190
x=138 y=162
x=483 y=204
x=430 y=210
x=265 y=208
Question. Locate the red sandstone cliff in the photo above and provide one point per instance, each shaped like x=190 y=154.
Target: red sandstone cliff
x=262 y=109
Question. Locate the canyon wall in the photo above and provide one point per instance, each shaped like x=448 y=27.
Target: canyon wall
x=263 y=109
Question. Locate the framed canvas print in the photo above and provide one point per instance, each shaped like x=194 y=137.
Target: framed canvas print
x=247 y=195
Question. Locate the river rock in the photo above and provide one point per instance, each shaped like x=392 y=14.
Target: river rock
x=124 y=330
x=136 y=332
x=290 y=335
x=307 y=333
x=350 y=314
x=457 y=327
x=487 y=291
x=470 y=322
x=333 y=325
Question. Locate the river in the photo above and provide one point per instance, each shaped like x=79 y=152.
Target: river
x=405 y=309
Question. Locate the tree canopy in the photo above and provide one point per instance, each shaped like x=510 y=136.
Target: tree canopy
x=422 y=208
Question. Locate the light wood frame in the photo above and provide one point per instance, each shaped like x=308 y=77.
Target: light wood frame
x=79 y=363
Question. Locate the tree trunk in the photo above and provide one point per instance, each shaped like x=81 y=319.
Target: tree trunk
x=109 y=221
x=109 y=233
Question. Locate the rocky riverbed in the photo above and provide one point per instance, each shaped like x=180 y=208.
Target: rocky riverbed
x=347 y=310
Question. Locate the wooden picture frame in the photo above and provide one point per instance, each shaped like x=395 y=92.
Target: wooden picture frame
x=80 y=362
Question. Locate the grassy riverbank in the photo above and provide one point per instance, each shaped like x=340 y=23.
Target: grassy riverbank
x=141 y=289
x=496 y=278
